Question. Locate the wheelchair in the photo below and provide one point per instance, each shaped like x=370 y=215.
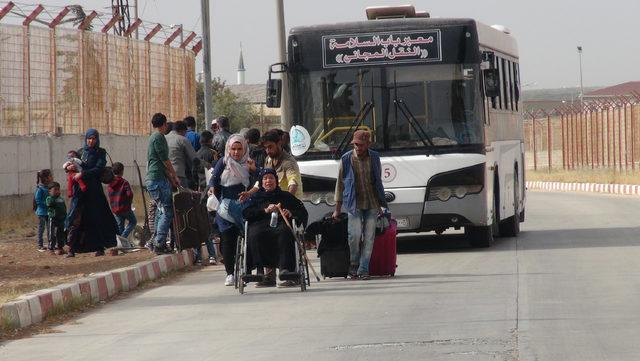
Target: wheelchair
x=244 y=276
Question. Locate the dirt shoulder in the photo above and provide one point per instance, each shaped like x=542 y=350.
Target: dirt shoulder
x=23 y=269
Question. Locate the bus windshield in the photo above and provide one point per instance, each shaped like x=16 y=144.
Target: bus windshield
x=413 y=106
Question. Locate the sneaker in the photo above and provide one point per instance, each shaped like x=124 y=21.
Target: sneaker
x=149 y=246
x=159 y=250
x=364 y=276
x=212 y=261
x=229 y=281
x=353 y=272
x=41 y=249
x=287 y=283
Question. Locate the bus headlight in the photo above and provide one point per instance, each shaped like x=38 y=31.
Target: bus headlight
x=444 y=193
x=316 y=198
x=319 y=197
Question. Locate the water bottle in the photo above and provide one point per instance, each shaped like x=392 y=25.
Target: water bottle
x=274 y=219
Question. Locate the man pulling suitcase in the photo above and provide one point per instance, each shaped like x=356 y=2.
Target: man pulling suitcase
x=359 y=187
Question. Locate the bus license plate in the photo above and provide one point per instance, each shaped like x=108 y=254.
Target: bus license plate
x=402 y=222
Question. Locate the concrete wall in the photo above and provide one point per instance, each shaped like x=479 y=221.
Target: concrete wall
x=22 y=157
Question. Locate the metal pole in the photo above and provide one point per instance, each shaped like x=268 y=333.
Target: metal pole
x=581 y=88
x=535 y=148
x=206 y=61
x=564 y=154
x=549 y=142
x=282 y=57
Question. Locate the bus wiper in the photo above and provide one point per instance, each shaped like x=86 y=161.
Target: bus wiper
x=404 y=109
x=362 y=113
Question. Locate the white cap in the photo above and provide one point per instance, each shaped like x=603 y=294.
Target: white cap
x=214 y=121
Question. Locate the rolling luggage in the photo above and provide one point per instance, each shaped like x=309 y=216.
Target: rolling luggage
x=190 y=221
x=334 y=248
x=383 y=256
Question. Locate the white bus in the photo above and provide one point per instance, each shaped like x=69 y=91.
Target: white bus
x=441 y=98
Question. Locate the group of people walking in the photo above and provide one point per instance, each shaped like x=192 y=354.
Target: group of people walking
x=254 y=179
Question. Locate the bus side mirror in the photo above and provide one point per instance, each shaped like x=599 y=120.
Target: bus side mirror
x=491 y=82
x=274 y=93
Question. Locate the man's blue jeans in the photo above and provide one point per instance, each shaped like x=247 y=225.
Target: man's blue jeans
x=362 y=227
x=160 y=191
x=122 y=218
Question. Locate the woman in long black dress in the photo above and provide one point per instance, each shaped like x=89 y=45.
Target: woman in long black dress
x=271 y=246
x=90 y=223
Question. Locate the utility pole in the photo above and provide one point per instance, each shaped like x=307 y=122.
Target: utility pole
x=581 y=88
x=282 y=58
x=206 y=62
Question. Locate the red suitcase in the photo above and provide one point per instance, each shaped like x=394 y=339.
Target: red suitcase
x=383 y=256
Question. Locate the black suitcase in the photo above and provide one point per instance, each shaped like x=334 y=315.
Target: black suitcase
x=190 y=221
x=334 y=248
x=334 y=262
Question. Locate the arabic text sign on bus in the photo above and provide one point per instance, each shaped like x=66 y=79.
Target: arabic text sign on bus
x=381 y=48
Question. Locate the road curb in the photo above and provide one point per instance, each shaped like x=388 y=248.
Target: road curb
x=622 y=189
x=34 y=307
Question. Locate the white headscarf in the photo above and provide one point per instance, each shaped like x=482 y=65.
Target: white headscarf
x=235 y=172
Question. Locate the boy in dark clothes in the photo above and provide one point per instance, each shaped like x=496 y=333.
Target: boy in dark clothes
x=57 y=212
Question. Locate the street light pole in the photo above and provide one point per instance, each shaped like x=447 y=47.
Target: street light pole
x=581 y=88
x=282 y=58
x=206 y=62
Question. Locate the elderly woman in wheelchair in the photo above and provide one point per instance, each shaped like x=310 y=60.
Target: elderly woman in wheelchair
x=270 y=240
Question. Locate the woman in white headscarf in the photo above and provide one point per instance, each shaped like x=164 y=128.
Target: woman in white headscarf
x=230 y=178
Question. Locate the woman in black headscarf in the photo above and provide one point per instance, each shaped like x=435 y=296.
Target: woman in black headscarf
x=270 y=246
x=90 y=223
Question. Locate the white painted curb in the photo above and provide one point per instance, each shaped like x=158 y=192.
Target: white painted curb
x=623 y=189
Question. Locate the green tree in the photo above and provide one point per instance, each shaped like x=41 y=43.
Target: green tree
x=241 y=114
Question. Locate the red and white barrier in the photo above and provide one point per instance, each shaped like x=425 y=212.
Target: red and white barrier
x=35 y=306
x=623 y=189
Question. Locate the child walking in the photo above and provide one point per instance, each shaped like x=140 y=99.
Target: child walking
x=40 y=204
x=120 y=198
x=57 y=212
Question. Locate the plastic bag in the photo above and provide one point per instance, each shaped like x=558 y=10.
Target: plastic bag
x=212 y=203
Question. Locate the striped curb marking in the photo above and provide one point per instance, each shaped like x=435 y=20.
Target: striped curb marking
x=35 y=306
x=624 y=189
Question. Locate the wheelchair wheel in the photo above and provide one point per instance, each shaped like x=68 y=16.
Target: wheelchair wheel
x=240 y=265
x=237 y=266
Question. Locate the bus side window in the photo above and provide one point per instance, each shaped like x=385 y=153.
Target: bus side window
x=516 y=83
x=501 y=96
x=505 y=84
x=511 y=81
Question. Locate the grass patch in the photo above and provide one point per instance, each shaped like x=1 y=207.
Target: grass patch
x=76 y=303
x=603 y=176
x=8 y=325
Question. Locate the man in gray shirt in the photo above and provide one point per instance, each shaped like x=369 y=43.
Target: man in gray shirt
x=181 y=153
x=222 y=135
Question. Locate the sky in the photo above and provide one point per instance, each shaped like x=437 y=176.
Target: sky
x=547 y=32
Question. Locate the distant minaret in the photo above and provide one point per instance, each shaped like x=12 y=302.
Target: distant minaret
x=241 y=69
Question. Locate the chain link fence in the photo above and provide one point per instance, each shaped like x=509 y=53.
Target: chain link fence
x=601 y=134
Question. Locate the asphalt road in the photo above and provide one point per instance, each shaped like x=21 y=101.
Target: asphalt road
x=568 y=288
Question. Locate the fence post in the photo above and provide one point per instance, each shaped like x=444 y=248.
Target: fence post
x=549 y=141
x=562 y=143
x=619 y=138
x=107 y=102
x=535 y=148
x=53 y=69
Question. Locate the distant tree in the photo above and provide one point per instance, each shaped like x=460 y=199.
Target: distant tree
x=240 y=113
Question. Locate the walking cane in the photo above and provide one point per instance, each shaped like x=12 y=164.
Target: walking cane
x=304 y=254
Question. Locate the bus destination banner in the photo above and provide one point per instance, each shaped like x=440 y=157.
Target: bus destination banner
x=381 y=48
